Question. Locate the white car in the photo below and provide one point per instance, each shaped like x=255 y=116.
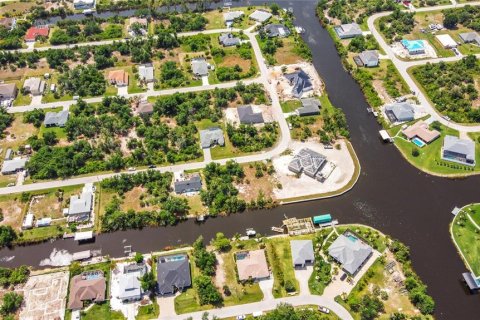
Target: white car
x=324 y=310
x=132 y=169
x=241 y=317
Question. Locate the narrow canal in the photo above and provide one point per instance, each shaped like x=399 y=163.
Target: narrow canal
x=390 y=195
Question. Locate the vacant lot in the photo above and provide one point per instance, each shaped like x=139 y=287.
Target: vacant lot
x=466 y=235
x=17 y=134
x=52 y=204
x=12 y=210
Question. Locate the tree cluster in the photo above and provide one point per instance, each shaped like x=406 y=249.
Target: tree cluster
x=397 y=24
x=467 y=16
x=248 y=138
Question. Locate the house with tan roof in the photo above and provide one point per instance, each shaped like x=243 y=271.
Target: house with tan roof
x=89 y=286
x=421 y=130
x=252 y=265
x=118 y=78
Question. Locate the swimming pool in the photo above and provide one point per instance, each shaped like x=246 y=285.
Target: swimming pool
x=175 y=258
x=419 y=143
x=241 y=255
x=351 y=237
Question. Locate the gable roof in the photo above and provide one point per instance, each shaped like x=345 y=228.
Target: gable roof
x=252 y=264
x=211 y=136
x=350 y=251
x=56 y=118
x=246 y=115
x=460 y=146
x=232 y=15
x=227 y=39
x=81 y=204
x=276 y=30
x=310 y=106
x=470 y=37
x=348 y=30
x=369 y=56
x=13 y=165
x=300 y=81
x=402 y=111
x=145 y=72
x=260 y=15
x=82 y=289
x=302 y=251
x=199 y=67
x=8 y=90
x=193 y=183
x=173 y=271
x=421 y=130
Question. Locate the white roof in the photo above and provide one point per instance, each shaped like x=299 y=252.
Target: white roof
x=85 y=235
x=232 y=15
x=260 y=15
x=129 y=287
x=28 y=222
x=145 y=71
x=13 y=165
x=446 y=40
x=83 y=203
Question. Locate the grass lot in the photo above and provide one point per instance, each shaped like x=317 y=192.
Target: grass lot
x=467 y=236
x=290 y=105
x=17 y=134
x=216 y=21
x=38 y=234
x=429 y=159
x=8 y=179
x=195 y=204
x=49 y=96
x=147 y=312
x=287 y=54
x=22 y=99
x=280 y=258
x=51 y=205
x=102 y=311
x=12 y=210
x=16 y=8
x=60 y=132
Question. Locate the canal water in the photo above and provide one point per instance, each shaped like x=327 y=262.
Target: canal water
x=390 y=195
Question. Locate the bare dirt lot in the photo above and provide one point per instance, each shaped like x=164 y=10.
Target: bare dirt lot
x=304 y=186
x=234 y=59
x=284 y=88
x=12 y=210
x=45 y=297
x=252 y=186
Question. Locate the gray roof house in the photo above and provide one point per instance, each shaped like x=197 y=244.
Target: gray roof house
x=230 y=17
x=173 y=273
x=348 y=30
x=56 y=119
x=80 y=206
x=458 y=150
x=13 y=166
x=228 y=40
x=300 y=81
x=199 y=67
x=368 y=58
x=246 y=115
x=350 y=251
x=302 y=252
x=399 y=112
x=309 y=162
x=8 y=91
x=34 y=85
x=193 y=184
x=260 y=15
x=469 y=37
x=310 y=107
x=210 y=137
x=145 y=72
x=276 y=30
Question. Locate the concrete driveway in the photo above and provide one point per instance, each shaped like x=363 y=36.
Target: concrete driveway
x=205 y=81
x=167 y=306
x=302 y=276
x=267 y=286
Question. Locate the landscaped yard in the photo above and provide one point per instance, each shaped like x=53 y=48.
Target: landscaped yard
x=467 y=236
x=148 y=312
x=290 y=105
x=280 y=257
x=102 y=311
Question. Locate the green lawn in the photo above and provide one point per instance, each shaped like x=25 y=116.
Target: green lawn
x=60 y=132
x=467 y=236
x=22 y=100
x=280 y=258
x=290 y=105
x=38 y=234
x=102 y=311
x=147 y=312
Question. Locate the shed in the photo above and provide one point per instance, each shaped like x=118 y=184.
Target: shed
x=446 y=40
x=82 y=236
x=44 y=222
x=28 y=221
x=324 y=218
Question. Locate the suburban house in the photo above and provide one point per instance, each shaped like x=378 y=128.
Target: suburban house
x=458 y=150
x=228 y=40
x=173 y=273
x=199 y=67
x=137 y=26
x=83 y=4
x=421 y=131
x=302 y=253
x=8 y=91
x=470 y=37
x=80 y=205
x=309 y=162
x=8 y=23
x=348 y=30
x=350 y=252
x=252 y=265
x=367 y=58
x=399 y=112
x=129 y=286
x=276 y=30
x=34 y=85
x=446 y=41
x=13 y=166
x=260 y=16
x=300 y=81
x=413 y=47
x=56 y=119
x=211 y=137
x=118 y=78
x=145 y=72
x=231 y=16
x=246 y=115
x=310 y=107
x=145 y=108
x=191 y=184
x=89 y=286
x=36 y=31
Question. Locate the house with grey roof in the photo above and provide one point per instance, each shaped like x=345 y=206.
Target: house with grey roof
x=260 y=16
x=192 y=184
x=231 y=16
x=274 y=30
x=470 y=37
x=145 y=72
x=56 y=119
x=348 y=30
x=367 y=58
x=350 y=252
x=34 y=85
x=309 y=162
x=199 y=67
x=458 y=150
x=302 y=253
x=310 y=107
x=13 y=166
x=211 y=137
x=246 y=115
x=399 y=112
x=173 y=273
x=8 y=91
x=80 y=206
x=300 y=82
x=228 y=40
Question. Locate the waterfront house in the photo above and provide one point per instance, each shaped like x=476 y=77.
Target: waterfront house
x=276 y=30
x=83 y=4
x=191 y=184
x=458 y=150
x=421 y=131
x=470 y=37
x=349 y=30
x=302 y=253
x=310 y=107
x=309 y=162
x=89 y=286
x=300 y=82
x=350 y=252
x=368 y=58
x=399 y=112
x=252 y=265
x=260 y=16
x=231 y=16
x=173 y=273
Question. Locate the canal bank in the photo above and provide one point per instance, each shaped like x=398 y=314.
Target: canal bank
x=390 y=195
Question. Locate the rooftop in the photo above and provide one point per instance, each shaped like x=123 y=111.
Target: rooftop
x=56 y=118
x=277 y=30
x=36 y=31
x=173 y=272
x=85 y=288
x=199 y=67
x=350 y=251
x=401 y=111
x=302 y=251
x=247 y=115
x=300 y=81
x=260 y=15
x=421 y=130
x=459 y=146
x=192 y=184
x=211 y=136
x=13 y=165
x=252 y=264
x=308 y=161
x=118 y=76
x=145 y=72
x=310 y=106
x=228 y=39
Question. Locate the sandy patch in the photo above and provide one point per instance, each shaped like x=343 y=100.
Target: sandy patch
x=231 y=114
x=12 y=211
x=378 y=85
x=284 y=88
x=233 y=60
x=400 y=51
x=252 y=186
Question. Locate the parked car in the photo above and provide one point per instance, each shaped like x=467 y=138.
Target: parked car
x=323 y=309
x=241 y=317
x=132 y=169
x=152 y=166
x=343 y=277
